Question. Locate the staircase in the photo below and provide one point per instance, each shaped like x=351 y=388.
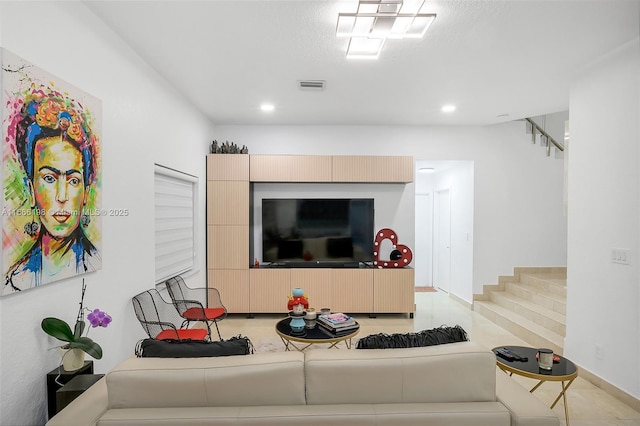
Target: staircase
x=530 y=304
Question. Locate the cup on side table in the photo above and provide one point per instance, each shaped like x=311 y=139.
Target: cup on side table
x=310 y=318
x=545 y=359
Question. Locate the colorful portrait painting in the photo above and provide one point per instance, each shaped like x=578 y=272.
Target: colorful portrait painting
x=51 y=179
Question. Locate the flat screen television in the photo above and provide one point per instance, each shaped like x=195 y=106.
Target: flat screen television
x=299 y=231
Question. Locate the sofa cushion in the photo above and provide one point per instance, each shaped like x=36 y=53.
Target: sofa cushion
x=457 y=372
x=443 y=413
x=459 y=414
x=525 y=411
x=259 y=379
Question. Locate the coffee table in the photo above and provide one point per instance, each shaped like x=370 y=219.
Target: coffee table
x=311 y=336
x=564 y=371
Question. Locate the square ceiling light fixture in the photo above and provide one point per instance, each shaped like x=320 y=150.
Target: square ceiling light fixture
x=379 y=20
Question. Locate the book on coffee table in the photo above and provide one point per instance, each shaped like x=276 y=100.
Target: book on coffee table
x=337 y=332
x=337 y=320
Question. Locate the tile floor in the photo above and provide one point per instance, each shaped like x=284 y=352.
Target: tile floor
x=588 y=405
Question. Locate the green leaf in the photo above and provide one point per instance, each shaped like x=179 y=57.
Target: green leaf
x=79 y=329
x=89 y=346
x=57 y=328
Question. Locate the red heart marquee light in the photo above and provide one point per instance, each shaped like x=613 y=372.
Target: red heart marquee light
x=400 y=256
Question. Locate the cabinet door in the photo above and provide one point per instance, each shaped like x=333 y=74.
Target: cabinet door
x=233 y=286
x=352 y=290
x=228 y=247
x=227 y=202
x=316 y=284
x=393 y=290
x=228 y=167
x=290 y=168
x=383 y=169
x=269 y=290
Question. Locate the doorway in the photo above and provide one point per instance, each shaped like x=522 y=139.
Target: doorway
x=442 y=240
x=444 y=194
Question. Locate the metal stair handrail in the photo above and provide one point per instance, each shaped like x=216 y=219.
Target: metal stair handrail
x=550 y=139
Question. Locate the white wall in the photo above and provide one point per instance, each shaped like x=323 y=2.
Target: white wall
x=518 y=201
x=144 y=122
x=603 y=298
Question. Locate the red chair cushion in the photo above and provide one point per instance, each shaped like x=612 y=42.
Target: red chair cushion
x=195 y=314
x=183 y=334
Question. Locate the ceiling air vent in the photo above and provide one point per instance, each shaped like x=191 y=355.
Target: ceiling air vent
x=311 y=84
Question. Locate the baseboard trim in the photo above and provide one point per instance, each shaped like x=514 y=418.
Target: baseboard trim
x=464 y=302
x=607 y=387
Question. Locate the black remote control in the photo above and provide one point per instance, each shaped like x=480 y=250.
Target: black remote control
x=506 y=354
x=520 y=358
x=510 y=355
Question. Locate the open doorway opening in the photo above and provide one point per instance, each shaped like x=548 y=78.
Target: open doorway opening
x=443 y=256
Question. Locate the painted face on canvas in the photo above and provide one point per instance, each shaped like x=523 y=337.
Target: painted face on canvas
x=58 y=185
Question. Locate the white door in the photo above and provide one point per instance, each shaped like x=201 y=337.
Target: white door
x=442 y=240
x=423 y=253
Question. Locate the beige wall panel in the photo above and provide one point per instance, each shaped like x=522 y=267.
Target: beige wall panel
x=227 y=202
x=290 y=168
x=316 y=284
x=228 y=167
x=361 y=168
x=228 y=247
x=393 y=290
x=269 y=290
x=233 y=286
x=352 y=290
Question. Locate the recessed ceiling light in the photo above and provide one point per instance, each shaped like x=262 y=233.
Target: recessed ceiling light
x=448 y=108
x=267 y=107
x=426 y=170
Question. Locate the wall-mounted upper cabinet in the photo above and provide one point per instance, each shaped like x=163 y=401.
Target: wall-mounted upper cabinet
x=320 y=168
x=382 y=169
x=227 y=167
x=290 y=168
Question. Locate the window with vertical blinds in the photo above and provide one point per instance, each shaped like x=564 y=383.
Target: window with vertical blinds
x=175 y=219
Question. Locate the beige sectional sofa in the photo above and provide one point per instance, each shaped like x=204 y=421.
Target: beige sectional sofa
x=452 y=384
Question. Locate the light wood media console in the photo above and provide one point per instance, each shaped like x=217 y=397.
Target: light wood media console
x=250 y=290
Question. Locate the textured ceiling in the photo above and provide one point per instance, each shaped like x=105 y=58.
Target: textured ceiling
x=488 y=57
